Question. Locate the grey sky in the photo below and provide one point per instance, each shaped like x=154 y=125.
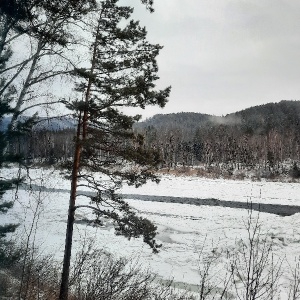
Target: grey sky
x=221 y=56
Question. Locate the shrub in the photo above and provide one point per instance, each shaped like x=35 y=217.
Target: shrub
x=95 y=275
x=294 y=171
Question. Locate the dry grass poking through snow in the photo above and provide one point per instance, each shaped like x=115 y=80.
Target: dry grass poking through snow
x=96 y=275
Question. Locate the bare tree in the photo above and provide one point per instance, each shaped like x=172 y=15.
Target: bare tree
x=256 y=271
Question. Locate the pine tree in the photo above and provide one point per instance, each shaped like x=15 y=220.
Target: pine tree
x=8 y=134
x=121 y=74
x=5 y=184
x=5 y=157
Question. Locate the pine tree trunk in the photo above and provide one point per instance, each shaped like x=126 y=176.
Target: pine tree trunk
x=80 y=138
x=71 y=216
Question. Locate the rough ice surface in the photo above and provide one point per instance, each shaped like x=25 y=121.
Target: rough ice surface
x=188 y=233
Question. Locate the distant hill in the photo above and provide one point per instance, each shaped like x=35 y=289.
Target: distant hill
x=264 y=138
x=186 y=119
x=4 y=123
x=258 y=119
x=44 y=123
x=279 y=116
x=56 y=124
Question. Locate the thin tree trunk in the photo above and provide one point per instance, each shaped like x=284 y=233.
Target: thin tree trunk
x=80 y=138
x=25 y=88
x=71 y=215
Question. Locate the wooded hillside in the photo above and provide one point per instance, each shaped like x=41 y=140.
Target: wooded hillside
x=265 y=137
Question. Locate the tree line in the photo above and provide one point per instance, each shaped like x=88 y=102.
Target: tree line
x=195 y=139
x=266 y=136
x=244 y=140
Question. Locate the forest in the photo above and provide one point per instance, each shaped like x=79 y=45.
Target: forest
x=265 y=138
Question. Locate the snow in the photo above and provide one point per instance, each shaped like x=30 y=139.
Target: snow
x=230 y=190
x=188 y=233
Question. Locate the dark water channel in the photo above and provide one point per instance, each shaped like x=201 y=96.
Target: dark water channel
x=281 y=210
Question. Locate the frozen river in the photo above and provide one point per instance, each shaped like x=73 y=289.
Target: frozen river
x=189 y=232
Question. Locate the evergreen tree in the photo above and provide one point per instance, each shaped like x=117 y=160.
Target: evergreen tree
x=5 y=157
x=4 y=154
x=5 y=184
x=121 y=74
x=7 y=154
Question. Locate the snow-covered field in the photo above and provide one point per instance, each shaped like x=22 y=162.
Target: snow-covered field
x=189 y=233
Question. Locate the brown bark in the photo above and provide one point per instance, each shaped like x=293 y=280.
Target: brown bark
x=71 y=215
x=80 y=138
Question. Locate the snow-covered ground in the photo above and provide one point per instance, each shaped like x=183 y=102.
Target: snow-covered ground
x=189 y=233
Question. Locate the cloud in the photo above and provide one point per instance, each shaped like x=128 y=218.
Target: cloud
x=223 y=56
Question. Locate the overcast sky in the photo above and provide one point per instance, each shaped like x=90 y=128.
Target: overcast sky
x=221 y=56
